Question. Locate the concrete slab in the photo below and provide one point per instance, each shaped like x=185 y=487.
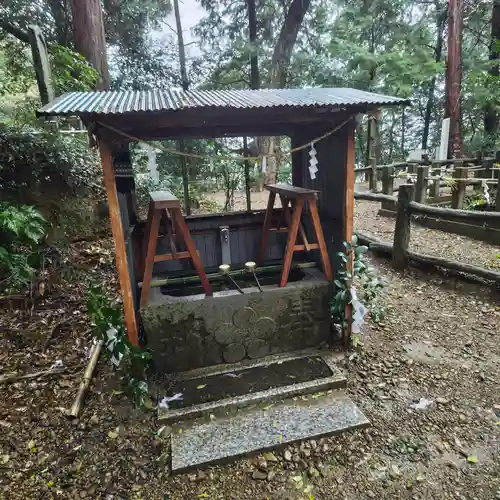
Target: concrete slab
x=205 y=442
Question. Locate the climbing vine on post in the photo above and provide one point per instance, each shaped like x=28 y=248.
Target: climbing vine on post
x=346 y=292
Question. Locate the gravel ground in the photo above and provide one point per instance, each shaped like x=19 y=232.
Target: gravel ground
x=440 y=341
x=423 y=240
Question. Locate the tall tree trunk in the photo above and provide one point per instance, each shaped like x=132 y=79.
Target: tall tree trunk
x=454 y=77
x=252 y=29
x=438 y=52
x=286 y=41
x=490 y=112
x=180 y=41
x=60 y=13
x=90 y=42
x=185 y=87
x=371 y=129
x=279 y=67
x=254 y=85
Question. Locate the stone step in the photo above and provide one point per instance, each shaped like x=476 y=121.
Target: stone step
x=210 y=440
x=204 y=391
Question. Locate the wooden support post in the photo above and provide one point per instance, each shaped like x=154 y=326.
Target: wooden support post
x=497 y=199
x=350 y=177
x=421 y=186
x=434 y=187
x=458 y=190
x=402 y=229
x=119 y=238
x=373 y=175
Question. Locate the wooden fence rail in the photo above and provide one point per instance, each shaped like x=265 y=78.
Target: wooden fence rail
x=422 y=171
x=405 y=208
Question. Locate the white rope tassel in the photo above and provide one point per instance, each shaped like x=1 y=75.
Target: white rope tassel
x=313 y=162
x=263 y=165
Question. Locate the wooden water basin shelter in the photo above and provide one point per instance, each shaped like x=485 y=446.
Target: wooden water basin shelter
x=318 y=216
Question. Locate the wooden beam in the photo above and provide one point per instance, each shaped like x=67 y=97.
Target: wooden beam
x=119 y=239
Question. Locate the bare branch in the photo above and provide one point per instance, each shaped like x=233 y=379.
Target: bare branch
x=14 y=30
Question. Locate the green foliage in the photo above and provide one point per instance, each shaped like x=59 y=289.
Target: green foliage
x=17 y=74
x=40 y=161
x=26 y=223
x=362 y=277
x=133 y=361
x=138 y=58
x=22 y=229
x=71 y=72
x=475 y=201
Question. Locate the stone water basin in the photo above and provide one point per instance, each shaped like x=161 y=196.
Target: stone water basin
x=187 y=330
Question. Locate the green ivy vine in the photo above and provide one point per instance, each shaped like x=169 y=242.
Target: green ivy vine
x=133 y=361
x=363 y=280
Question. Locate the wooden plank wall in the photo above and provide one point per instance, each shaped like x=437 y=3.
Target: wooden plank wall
x=244 y=235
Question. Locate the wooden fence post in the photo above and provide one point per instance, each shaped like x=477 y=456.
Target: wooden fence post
x=388 y=180
x=388 y=186
x=434 y=187
x=458 y=189
x=373 y=175
x=497 y=199
x=402 y=229
x=421 y=186
x=487 y=168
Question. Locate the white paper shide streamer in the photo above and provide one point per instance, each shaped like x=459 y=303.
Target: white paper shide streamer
x=359 y=311
x=486 y=191
x=313 y=161
x=110 y=344
x=263 y=165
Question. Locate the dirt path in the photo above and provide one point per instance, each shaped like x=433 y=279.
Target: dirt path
x=440 y=341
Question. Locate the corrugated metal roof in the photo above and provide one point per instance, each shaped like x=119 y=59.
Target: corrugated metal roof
x=132 y=101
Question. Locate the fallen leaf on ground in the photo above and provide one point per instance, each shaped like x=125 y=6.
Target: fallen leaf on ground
x=112 y=434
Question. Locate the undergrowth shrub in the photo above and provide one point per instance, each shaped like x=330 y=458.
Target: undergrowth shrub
x=22 y=230
x=38 y=161
x=132 y=361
